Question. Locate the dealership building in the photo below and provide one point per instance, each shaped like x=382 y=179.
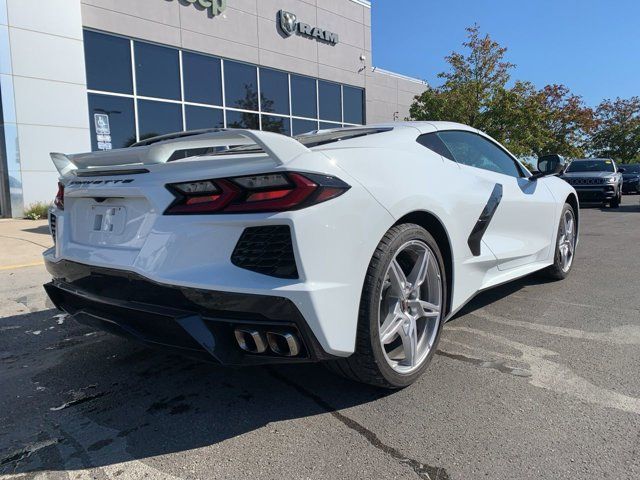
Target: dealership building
x=81 y=75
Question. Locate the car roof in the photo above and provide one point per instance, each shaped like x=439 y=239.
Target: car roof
x=426 y=126
x=592 y=160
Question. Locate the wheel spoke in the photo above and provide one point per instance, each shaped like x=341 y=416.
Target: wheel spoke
x=397 y=278
x=568 y=227
x=391 y=325
x=425 y=309
x=565 y=255
x=418 y=273
x=409 y=337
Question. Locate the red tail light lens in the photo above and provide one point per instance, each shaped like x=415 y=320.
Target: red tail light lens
x=59 y=200
x=272 y=192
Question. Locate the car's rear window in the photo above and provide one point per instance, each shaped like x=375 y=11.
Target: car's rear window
x=322 y=137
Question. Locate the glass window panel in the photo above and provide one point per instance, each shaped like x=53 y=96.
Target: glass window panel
x=5 y=53
x=241 y=85
x=303 y=97
x=158 y=118
x=121 y=119
x=242 y=120
x=157 y=71
x=303 y=126
x=203 y=117
x=7 y=102
x=271 y=123
x=327 y=125
x=108 y=62
x=274 y=91
x=202 y=79
x=192 y=152
x=473 y=150
x=329 y=101
x=433 y=142
x=353 y=101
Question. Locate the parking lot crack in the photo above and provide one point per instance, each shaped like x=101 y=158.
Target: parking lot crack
x=79 y=397
x=426 y=472
x=27 y=451
x=500 y=366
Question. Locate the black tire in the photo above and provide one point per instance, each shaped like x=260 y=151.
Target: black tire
x=368 y=364
x=556 y=271
x=615 y=202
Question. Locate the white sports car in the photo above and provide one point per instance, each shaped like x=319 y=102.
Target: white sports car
x=350 y=246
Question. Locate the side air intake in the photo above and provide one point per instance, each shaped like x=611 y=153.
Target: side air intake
x=267 y=250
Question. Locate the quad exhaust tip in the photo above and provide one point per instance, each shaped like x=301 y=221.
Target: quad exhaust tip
x=283 y=344
x=280 y=343
x=251 y=341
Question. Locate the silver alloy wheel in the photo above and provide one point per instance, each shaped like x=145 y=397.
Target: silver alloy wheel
x=567 y=242
x=410 y=307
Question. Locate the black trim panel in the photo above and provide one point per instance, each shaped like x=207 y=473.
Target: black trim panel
x=475 y=237
x=193 y=321
x=111 y=173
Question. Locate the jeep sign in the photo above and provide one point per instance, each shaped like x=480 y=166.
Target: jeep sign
x=215 y=7
x=289 y=25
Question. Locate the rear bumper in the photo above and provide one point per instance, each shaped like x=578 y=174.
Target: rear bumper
x=195 y=322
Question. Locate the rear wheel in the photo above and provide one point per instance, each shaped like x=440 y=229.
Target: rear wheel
x=565 y=245
x=401 y=310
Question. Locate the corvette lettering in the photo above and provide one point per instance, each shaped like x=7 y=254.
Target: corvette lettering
x=86 y=183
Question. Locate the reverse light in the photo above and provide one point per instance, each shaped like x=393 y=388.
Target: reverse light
x=270 y=192
x=59 y=200
x=196 y=187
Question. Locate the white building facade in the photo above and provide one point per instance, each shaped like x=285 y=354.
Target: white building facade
x=80 y=75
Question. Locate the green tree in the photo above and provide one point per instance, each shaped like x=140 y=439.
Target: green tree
x=617 y=134
x=526 y=120
x=470 y=85
x=516 y=119
x=568 y=122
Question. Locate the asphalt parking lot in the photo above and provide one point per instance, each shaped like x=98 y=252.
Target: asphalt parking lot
x=532 y=380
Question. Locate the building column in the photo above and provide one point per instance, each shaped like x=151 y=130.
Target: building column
x=44 y=97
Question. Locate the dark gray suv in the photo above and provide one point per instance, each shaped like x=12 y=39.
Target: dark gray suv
x=597 y=180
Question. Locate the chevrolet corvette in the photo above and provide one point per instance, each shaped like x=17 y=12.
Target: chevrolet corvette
x=350 y=247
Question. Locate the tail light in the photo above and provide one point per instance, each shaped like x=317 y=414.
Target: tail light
x=270 y=192
x=59 y=200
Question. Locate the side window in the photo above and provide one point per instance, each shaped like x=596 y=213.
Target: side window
x=474 y=150
x=433 y=143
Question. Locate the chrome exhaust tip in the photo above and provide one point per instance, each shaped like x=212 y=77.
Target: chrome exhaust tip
x=285 y=344
x=251 y=341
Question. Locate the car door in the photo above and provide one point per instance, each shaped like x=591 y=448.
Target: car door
x=523 y=224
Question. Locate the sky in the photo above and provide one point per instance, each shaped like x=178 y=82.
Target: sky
x=591 y=46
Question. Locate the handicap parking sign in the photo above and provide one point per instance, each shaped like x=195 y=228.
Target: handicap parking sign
x=102 y=124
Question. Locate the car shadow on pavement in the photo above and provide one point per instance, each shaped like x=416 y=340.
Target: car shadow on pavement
x=625 y=207
x=42 y=229
x=494 y=294
x=85 y=399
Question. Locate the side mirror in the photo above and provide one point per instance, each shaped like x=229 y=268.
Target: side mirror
x=549 y=165
x=622 y=170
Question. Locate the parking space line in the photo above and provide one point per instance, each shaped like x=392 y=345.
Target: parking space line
x=22 y=265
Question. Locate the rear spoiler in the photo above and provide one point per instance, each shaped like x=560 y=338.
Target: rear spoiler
x=280 y=148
